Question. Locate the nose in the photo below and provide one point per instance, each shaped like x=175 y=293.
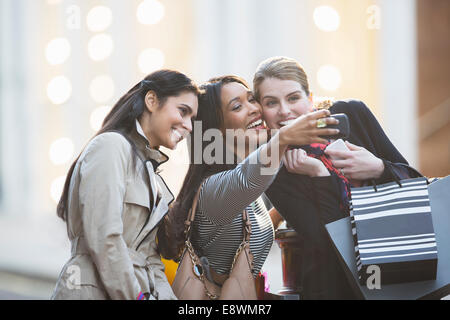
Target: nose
x=284 y=110
x=253 y=109
x=187 y=124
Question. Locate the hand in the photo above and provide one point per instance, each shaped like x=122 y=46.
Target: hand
x=276 y=217
x=303 y=130
x=297 y=161
x=357 y=163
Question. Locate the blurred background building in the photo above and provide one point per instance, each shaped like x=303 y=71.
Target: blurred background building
x=64 y=63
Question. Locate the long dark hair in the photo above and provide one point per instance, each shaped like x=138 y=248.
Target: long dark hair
x=122 y=117
x=211 y=116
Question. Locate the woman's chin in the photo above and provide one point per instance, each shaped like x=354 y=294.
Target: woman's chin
x=261 y=131
x=260 y=136
x=169 y=144
x=172 y=145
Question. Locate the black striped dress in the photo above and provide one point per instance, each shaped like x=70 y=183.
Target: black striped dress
x=217 y=228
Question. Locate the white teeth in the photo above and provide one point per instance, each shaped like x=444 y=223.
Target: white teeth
x=254 y=124
x=177 y=135
x=285 y=123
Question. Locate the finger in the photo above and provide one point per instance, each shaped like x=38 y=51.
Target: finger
x=331 y=120
x=318 y=114
x=348 y=173
x=291 y=157
x=352 y=146
x=301 y=151
x=340 y=164
x=299 y=156
x=288 y=154
x=338 y=153
x=286 y=163
x=318 y=139
x=286 y=158
x=324 y=122
x=325 y=132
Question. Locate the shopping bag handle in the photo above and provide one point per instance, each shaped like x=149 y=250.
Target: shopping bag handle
x=389 y=165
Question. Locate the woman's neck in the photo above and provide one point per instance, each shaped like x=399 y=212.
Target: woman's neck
x=144 y=121
x=241 y=149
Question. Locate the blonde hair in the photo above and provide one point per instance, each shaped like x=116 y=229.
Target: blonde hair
x=284 y=68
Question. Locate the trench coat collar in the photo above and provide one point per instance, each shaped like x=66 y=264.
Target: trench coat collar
x=142 y=143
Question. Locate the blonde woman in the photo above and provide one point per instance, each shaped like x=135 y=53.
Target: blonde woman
x=314 y=186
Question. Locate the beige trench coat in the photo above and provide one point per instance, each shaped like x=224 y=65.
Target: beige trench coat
x=112 y=222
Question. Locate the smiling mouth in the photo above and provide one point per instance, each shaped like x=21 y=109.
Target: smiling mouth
x=258 y=124
x=286 y=122
x=178 y=135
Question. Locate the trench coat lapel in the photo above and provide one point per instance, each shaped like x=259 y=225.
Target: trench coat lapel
x=161 y=207
x=154 y=192
x=159 y=193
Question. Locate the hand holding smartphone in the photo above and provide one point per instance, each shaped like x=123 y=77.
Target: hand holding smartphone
x=343 y=126
x=339 y=145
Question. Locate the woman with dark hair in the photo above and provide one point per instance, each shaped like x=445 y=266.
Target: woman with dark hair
x=227 y=105
x=113 y=199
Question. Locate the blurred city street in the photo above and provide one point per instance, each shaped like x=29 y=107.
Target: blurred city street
x=64 y=64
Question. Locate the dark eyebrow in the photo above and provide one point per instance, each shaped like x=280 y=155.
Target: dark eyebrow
x=289 y=94
x=297 y=91
x=189 y=108
x=265 y=97
x=232 y=100
x=250 y=93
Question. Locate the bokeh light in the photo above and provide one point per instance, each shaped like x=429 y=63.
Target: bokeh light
x=326 y=18
x=150 y=59
x=150 y=12
x=97 y=117
x=329 y=77
x=56 y=188
x=100 y=47
x=101 y=88
x=57 y=51
x=61 y=151
x=99 y=18
x=59 y=89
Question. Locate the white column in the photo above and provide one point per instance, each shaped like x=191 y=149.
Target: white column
x=398 y=76
x=232 y=37
x=14 y=121
x=207 y=39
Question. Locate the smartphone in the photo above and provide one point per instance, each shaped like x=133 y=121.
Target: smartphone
x=339 y=144
x=343 y=126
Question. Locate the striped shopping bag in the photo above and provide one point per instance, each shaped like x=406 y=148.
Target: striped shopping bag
x=393 y=229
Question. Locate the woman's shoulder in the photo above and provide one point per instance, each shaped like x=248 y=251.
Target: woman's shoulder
x=107 y=144
x=348 y=106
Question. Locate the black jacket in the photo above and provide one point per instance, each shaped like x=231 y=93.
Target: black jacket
x=307 y=204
